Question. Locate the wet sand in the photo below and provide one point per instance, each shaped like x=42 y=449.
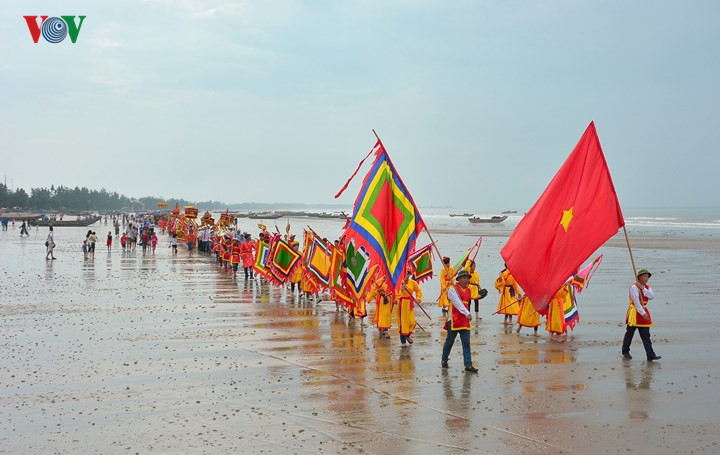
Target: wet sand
x=133 y=354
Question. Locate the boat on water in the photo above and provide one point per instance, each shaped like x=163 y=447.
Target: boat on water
x=82 y=222
x=336 y=215
x=264 y=215
x=461 y=214
x=509 y=212
x=494 y=219
x=20 y=216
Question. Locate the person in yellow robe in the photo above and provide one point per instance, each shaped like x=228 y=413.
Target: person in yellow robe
x=447 y=276
x=509 y=295
x=407 y=296
x=359 y=310
x=474 y=286
x=555 y=323
x=384 y=303
x=528 y=316
x=296 y=275
x=308 y=286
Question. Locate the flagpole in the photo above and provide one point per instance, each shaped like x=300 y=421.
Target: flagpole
x=506 y=306
x=632 y=259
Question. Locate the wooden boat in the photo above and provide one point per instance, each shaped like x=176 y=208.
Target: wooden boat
x=494 y=219
x=330 y=215
x=461 y=214
x=19 y=217
x=509 y=212
x=65 y=223
x=264 y=216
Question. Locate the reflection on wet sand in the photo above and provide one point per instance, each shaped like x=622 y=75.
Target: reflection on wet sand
x=171 y=355
x=638 y=395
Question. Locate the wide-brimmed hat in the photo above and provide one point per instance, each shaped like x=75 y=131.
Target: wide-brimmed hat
x=462 y=273
x=644 y=272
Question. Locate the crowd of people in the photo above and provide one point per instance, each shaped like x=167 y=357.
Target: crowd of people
x=233 y=249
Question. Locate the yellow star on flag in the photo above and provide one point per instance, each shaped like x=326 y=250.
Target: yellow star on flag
x=566 y=218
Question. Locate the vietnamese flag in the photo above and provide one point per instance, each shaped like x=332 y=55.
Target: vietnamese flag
x=575 y=215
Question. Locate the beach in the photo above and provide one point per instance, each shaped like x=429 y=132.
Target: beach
x=135 y=354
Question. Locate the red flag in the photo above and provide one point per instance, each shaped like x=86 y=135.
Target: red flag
x=575 y=215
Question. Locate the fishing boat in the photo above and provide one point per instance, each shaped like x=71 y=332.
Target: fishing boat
x=264 y=215
x=82 y=222
x=20 y=216
x=494 y=219
x=461 y=214
x=330 y=215
x=509 y=212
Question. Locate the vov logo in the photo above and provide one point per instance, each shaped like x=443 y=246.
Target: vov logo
x=54 y=29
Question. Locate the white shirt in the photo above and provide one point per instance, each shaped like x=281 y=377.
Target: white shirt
x=635 y=296
x=50 y=238
x=457 y=303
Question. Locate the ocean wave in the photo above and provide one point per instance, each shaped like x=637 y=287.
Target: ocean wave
x=677 y=224
x=651 y=218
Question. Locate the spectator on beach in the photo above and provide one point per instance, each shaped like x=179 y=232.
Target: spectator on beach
x=109 y=241
x=123 y=241
x=50 y=244
x=174 y=244
x=93 y=241
x=153 y=241
x=24 y=230
x=144 y=240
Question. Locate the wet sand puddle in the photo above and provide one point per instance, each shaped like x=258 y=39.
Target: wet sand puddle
x=168 y=354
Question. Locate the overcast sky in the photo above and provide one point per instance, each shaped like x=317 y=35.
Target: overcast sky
x=478 y=102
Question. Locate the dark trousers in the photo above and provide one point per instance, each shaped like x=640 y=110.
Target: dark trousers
x=464 y=339
x=644 y=336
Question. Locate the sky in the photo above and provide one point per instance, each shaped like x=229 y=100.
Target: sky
x=477 y=102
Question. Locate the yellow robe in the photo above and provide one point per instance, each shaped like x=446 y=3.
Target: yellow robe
x=556 y=312
x=406 y=297
x=528 y=316
x=384 y=304
x=509 y=290
x=307 y=283
x=446 y=280
x=296 y=275
x=474 y=283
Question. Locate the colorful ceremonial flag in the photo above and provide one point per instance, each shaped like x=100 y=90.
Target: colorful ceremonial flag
x=385 y=221
x=284 y=260
x=261 y=259
x=421 y=263
x=463 y=259
x=359 y=271
x=318 y=257
x=338 y=293
x=571 y=316
x=575 y=215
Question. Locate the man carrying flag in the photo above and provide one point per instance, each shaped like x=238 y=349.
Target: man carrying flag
x=638 y=317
